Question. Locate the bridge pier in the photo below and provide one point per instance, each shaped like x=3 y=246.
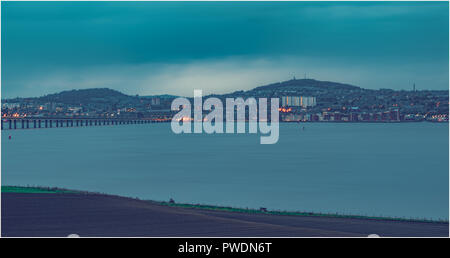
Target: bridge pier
x=48 y=122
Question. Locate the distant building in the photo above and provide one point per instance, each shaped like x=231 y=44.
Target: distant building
x=74 y=109
x=10 y=105
x=307 y=101
x=298 y=101
x=293 y=117
x=155 y=101
x=290 y=101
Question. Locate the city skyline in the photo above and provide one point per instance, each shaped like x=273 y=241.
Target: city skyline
x=172 y=48
x=300 y=100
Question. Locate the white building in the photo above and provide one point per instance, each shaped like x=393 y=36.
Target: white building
x=10 y=105
x=308 y=101
x=296 y=101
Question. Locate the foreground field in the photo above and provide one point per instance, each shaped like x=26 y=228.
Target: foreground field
x=94 y=215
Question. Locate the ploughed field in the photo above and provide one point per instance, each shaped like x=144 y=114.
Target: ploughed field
x=60 y=213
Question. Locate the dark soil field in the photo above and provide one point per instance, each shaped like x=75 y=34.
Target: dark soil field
x=95 y=215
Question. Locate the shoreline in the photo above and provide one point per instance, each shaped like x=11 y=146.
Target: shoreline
x=96 y=215
x=53 y=190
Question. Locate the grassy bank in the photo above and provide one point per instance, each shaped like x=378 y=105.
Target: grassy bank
x=296 y=213
x=27 y=189
x=50 y=190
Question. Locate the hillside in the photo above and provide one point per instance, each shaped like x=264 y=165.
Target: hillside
x=95 y=95
x=307 y=84
x=96 y=215
x=301 y=87
x=105 y=95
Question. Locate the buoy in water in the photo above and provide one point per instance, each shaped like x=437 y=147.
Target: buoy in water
x=9 y=137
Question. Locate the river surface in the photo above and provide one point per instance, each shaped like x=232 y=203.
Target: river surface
x=398 y=170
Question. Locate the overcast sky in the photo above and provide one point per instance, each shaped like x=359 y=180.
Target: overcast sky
x=149 y=48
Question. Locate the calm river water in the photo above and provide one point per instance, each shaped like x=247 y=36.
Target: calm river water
x=368 y=169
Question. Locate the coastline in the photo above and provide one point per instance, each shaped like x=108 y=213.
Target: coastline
x=88 y=214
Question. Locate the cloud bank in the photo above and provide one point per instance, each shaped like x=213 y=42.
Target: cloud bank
x=231 y=74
